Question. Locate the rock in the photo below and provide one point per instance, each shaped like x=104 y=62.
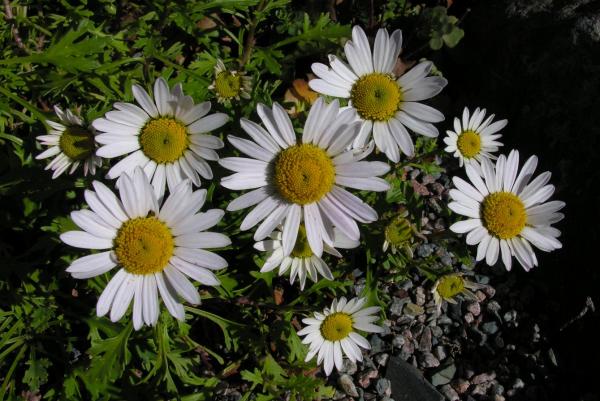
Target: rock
x=490 y=327
x=425 y=250
x=480 y=295
x=349 y=367
x=364 y=379
x=510 y=316
x=382 y=359
x=377 y=344
x=518 y=384
x=436 y=331
x=383 y=387
x=444 y=320
x=408 y=384
x=449 y=393
x=483 y=378
x=489 y=291
x=444 y=375
x=339 y=395
x=427 y=360
x=346 y=383
x=425 y=340
x=469 y=318
x=482 y=388
x=493 y=306
x=411 y=309
x=398 y=341
x=420 y=296
x=407 y=350
x=440 y=352
x=461 y=386
x=474 y=308
x=398 y=305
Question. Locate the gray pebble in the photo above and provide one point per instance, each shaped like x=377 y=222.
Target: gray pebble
x=346 y=383
x=490 y=327
x=383 y=387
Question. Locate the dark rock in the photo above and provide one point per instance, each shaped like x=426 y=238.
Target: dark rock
x=398 y=341
x=408 y=384
x=398 y=305
x=440 y=352
x=483 y=378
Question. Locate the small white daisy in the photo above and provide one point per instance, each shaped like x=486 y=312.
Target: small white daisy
x=167 y=137
x=303 y=262
x=507 y=213
x=71 y=143
x=332 y=333
x=230 y=84
x=452 y=286
x=386 y=105
x=294 y=181
x=474 y=138
x=155 y=247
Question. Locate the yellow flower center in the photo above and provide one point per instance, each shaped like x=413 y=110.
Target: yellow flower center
x=144 y=245
x=399 y=231
x=376 y=96
x=302 y=247
x=303 y=173
x=227 y=85
x=336 y=326
x=469 y=144
x=450 y=286
x=503 y=214
x=77 y=143
x=164 y=140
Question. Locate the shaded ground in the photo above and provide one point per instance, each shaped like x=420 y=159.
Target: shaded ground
x=537 y=64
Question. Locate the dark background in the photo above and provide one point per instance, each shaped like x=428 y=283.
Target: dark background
x=537 y=63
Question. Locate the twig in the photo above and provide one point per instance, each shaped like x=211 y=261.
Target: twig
x=249 y=45
x=15 y=31
x=589 y=306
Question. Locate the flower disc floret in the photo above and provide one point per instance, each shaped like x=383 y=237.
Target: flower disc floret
x=77 y=143
x=450 y=286
x=336 y=326
x=503 y=214
x=164 y=140
x=376 y=96
x=469 y=144
x=399 y=231
x=303 y=173
x=228 y=85
x=144 y=245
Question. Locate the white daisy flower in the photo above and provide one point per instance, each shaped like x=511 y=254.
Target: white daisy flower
x=294 y=181
x=453 y=286
x=386 y=105
x=303 y=262
x=507 y=213
x=156 y=247
x=71 y=143
x=474 y=139
x=333 y=333
x=230 y=84
x=167 y=137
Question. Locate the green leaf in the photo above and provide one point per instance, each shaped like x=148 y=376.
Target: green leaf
x=37 y=373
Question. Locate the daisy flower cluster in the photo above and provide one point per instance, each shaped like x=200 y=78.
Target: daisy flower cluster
x=304 y=188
